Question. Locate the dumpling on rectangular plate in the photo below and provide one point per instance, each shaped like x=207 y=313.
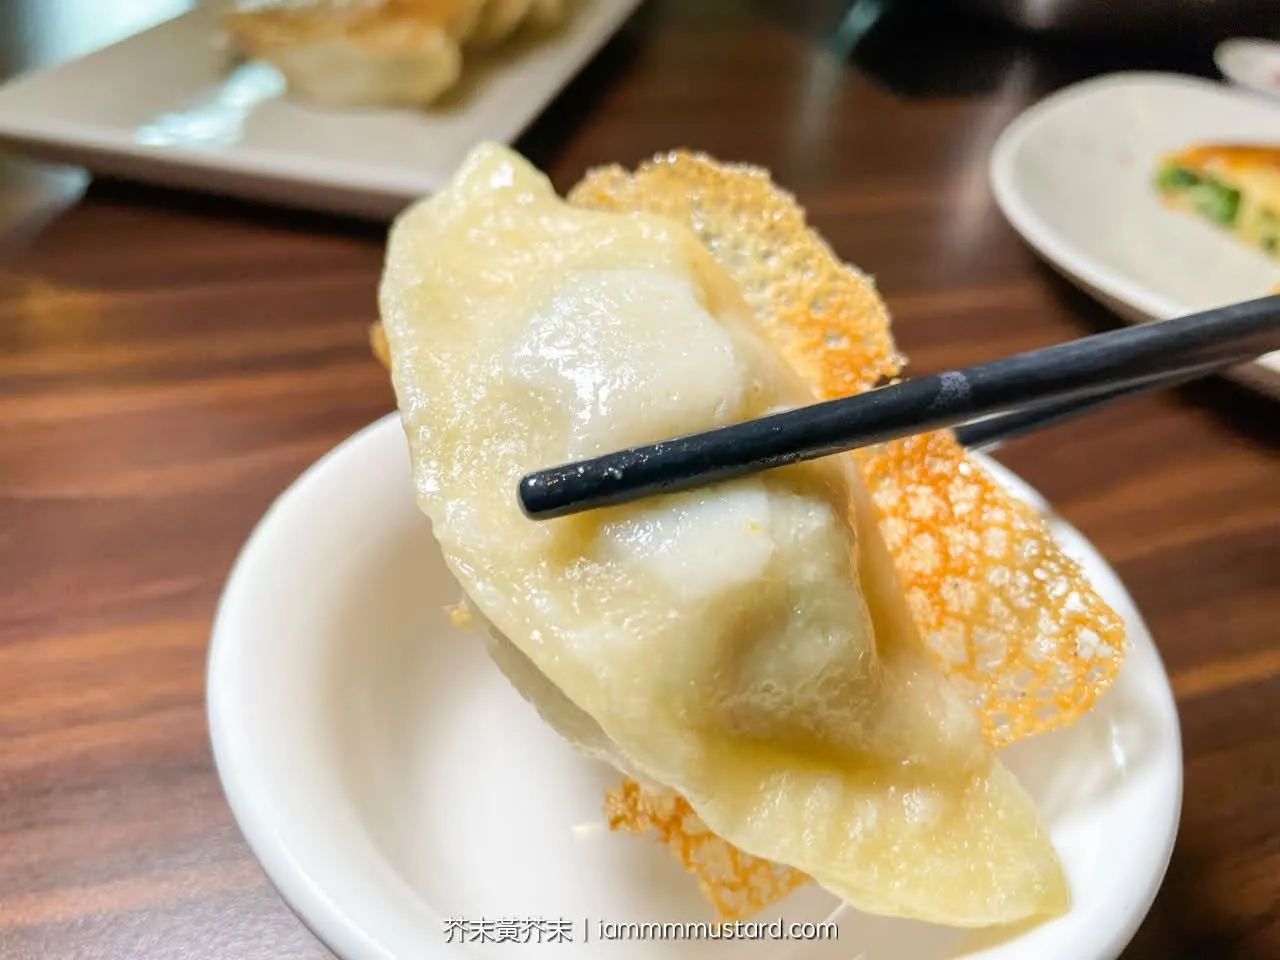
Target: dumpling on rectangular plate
x=747 y=645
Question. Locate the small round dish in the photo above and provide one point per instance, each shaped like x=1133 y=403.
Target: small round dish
x=401 y=795
x=1073 y=176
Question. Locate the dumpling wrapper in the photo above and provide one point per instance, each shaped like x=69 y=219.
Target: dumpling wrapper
x=738 y=644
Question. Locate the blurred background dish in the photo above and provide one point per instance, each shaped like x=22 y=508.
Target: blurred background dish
x=1075 y=176
x=386 y=53
x=165 y=106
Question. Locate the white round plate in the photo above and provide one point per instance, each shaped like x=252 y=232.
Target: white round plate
x=1073 y=175
x=389 y=780
x=1250 y=63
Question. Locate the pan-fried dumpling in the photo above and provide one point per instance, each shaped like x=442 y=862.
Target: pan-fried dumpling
x=741 y=644
x=498 y=20
x=389 y=53
x=546 y=13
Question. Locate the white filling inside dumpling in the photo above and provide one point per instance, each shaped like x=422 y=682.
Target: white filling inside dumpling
x=697 y=544
x=631 y=356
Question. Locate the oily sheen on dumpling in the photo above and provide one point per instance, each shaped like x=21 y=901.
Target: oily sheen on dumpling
x=740 y=644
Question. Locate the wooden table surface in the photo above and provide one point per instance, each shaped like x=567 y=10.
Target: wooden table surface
x=168 y=364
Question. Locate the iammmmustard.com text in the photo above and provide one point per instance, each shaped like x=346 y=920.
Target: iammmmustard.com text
x=732 y=930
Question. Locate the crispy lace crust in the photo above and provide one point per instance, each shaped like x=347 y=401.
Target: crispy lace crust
x=736 y=883
x=1006 y=615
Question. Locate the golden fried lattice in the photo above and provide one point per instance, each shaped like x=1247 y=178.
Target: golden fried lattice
x=1005 y=614
x=737 y=884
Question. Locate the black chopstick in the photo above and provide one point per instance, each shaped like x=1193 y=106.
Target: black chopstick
x=991 y=432
x=1077 y=371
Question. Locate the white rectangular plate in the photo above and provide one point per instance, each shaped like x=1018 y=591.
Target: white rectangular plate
x=163 y=106
x=1074 y=175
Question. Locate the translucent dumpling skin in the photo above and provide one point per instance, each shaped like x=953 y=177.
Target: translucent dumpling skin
x=740 y=644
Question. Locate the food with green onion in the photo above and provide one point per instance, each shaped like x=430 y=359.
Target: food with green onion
x=1236 y=187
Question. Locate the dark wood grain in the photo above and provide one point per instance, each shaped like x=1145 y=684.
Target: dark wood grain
x=168 y=364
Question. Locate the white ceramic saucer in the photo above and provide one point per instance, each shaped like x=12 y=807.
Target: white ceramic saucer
x=1073 y=175
x=388 y=778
